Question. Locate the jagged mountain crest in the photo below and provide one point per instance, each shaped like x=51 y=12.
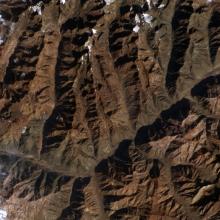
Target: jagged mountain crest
x=109 y=109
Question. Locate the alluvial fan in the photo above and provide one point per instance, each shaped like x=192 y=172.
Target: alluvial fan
x=109 y=109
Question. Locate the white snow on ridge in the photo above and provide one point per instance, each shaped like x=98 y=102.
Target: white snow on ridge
x=2 y=22
x=149 y=3
x=1 y=40
x=24 y=130
x=161 y=6
x=136 y=28
x=63 y=1
x=94 y=31
x=1 y=19
x=147 y=18
x=108 y=2
x=137 y=19
x=88 y=44
x=37 y=8
x=3 y=214
x=154 y=3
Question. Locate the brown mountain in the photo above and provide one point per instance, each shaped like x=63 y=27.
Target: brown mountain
x=109 y=109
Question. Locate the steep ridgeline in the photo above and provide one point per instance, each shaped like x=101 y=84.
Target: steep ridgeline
x=109 y=109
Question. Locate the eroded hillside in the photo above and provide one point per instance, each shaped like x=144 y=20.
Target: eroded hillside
x=109 y=109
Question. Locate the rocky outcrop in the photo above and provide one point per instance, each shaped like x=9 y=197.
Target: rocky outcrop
x=109 y=109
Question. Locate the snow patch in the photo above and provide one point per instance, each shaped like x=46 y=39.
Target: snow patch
x=94 y=31
x=154 y=3
x=108 y=2
x=1 y=41
x=136 y=28
x=88 y=45
x=63 y=1
x=147 y=18
x=137 y=20
x=149 y=3
x=161 y=6
x=2 y=20
x=37 y=8
x=3 y=214
x=24 y=130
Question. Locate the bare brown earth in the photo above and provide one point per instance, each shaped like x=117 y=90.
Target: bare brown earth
x=98 y=121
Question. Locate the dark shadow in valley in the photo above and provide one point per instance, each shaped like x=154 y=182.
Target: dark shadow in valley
x=164 y=125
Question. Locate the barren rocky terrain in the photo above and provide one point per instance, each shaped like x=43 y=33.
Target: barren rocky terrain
x=109 y=109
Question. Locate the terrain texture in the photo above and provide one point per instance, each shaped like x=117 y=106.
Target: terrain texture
x=109 y=109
